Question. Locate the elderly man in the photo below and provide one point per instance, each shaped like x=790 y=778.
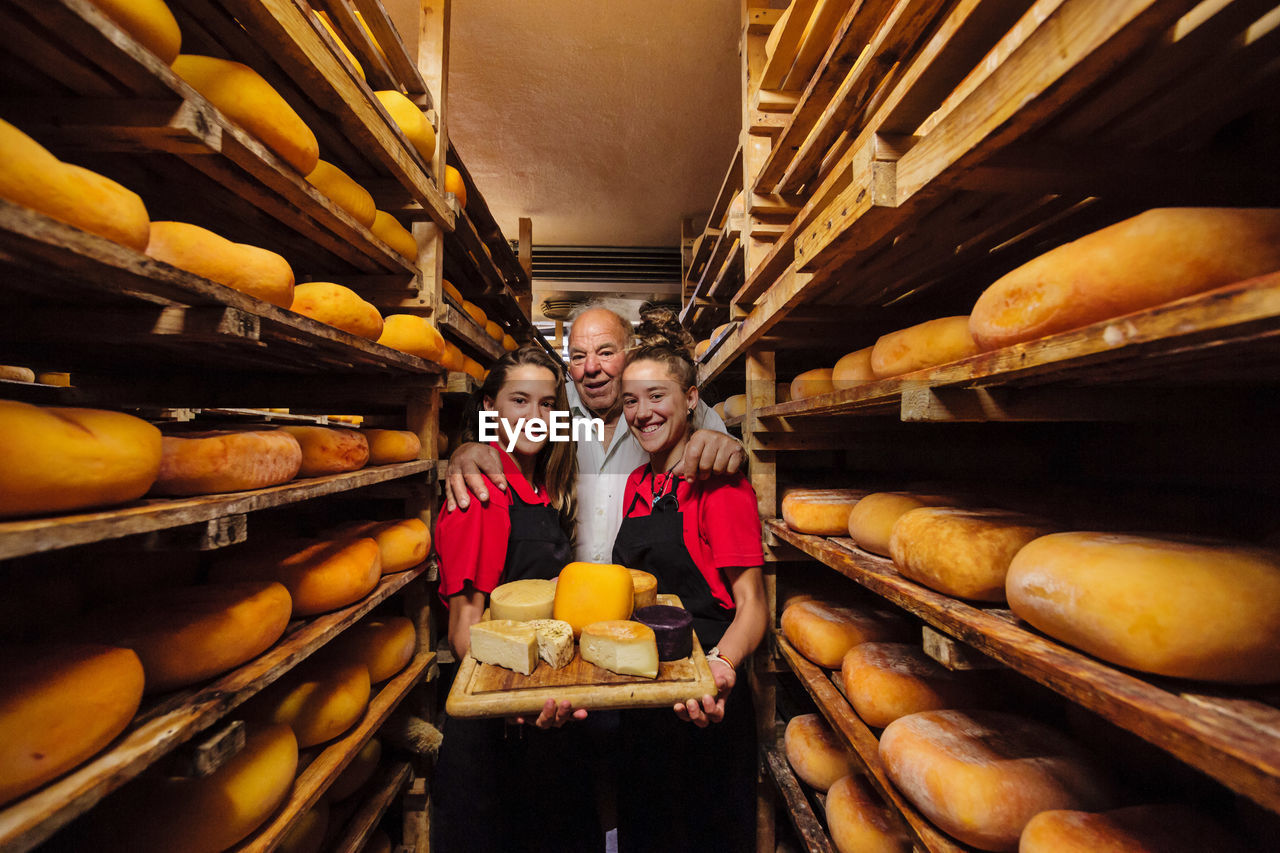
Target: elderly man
x=598 y=341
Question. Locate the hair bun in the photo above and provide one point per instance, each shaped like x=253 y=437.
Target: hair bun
x=661 y=327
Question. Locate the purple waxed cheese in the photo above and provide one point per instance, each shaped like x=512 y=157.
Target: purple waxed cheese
x=673 y=627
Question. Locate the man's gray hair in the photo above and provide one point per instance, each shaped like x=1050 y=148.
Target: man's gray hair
x=619 y=308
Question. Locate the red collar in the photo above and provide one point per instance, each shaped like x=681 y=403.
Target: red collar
x=516 y=479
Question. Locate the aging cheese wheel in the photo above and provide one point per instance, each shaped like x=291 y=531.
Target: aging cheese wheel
x=377 y=842
x=593 y=592
x=509 y=343
x=961 y=552
x=506 y=643
x=555 y=641
x=343 y=191
x=62 y=380
x=1152 y=258
x=206 y=463
x=924 y=345
x=250 y=101
x=188 y=634
x=1136 y=829
x=329 y=451
x=859 y=820
x=473 y=368
x=149 y=22
x=451 y=291
x=402 y=544
x=411 y=121
x=475 y=312
x=453 y=183
x=853 y=369
x=817 y=753
x=824 y=632
x=645 y=588
x=821 y=512
x=453 y=359
x=735 y=406
x=522 y=600
x=885 y=681
x=308 y=831
x=389 y=230
x=493 y=330
x=701 y=347
x=1186 y=609
x=323 y=17
x=359 y=771
x=388 y=446
x=254 y=271
x=811 y=383
x=718 y=408
x=337 y=306
x=385 y=645
x=320 y=576
x=412 y=334
x=60 y=705
x=872 y=519
x=621 y=646
x=57 y=459
x=319 y=702
x=672 y=628
x=17 y=374
x=981 y=775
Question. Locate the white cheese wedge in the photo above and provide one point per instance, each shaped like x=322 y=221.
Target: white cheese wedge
x=505 y=643
x=621 y=646
x=523 y=600
x=555 y=641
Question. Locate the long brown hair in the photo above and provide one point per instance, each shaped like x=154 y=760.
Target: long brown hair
x=556 y=466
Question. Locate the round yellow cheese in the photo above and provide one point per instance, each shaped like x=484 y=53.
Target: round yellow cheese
x=402 y=543
x=475 y=312
x=593 y=592
x=343 y=191
x=254 y=271
x=811 y=383
x=359 y=771
x=735 y=406
x=820 y=512
x=451 y=291
x=388 y=446
x=523 y=600
x=701 y=347
x=323 y=17
x=872 y=519
x=1204 y=610
x=925 y=345
x=824 y=632
x=409 y=117
x=453 y=183
x=453 y=359
x=308 y=832
x=17 y=374
x=149 y=22
x=206 y=463
x=853 y=369
x=646 y=589
x=317 y=702
x=385 y=645
x=885 y=681
x=860 y=822
x=509 y=343
x=60 y=379
x=320 y=576
x=412 y=334
x=817 y=753
x=389 y=230
x=337 y=306
x=493 y=330
x=1135 y=829
x=329 y=451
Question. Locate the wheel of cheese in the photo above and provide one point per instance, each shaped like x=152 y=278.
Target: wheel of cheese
x=961 y=552
x=872 y=519
x=149 y=22
x=735 y=406
x=188 y=634
x=645 y=589
x=718 y=408
x=593 y=592
x=475 y=312
x=329 y=451
x=60 y=379
x=359 y=771
x=206 y=463
x=453 y=183
x=337 y=306
x=621 y=646
x=816 y=753
x=247 y=99
x=389 y=230
x=409 y=117
x=509 y=343
x=981 y=775
x=824 y=632
x=885 y=681
x=258 y=272
x=385 y=645
x=60 y=705
x=720 y=330
x=412 y=334
x=388 y=446
x=523 y=600
x=308 y=832
x=451 y=291
x=402 y=544
x=453 y=359
x=17 y=374
x=317 y=702
x=672 y=629
x=473 y=368
x=699 y=348
x=1203 y=610
x=343 y=191
x=811 y=383
x=1146 y=260
x=323 y=17
x=860 y=822
x=493 y=330
x=320 y=576
x=1136 y=829
x=853 y=369
x=820 y=512
x=924 y=345
x=377 y=842
x=58 y=459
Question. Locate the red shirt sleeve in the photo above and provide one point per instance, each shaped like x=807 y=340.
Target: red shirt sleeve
x=472 y=544
x=730 y=523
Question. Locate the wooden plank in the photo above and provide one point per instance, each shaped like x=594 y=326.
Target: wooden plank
x=157 y=731
x=320 y=773
x=786 y=293
x=793 y=25
x=387 y=785
x=822 y=33
x=459 y=326
x=812 y=834
x=373 y=60
x=952 y=654
x=1240 y=756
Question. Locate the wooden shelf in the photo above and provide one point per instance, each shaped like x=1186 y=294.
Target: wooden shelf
x=320 y=773
x=773 y=760
x=458 y=325
x=158 y=730
x=1226 y=734
x=386 y=786
x=31 y=536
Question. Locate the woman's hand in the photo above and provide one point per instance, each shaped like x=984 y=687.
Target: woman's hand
x=709 y=710
x=554 y=715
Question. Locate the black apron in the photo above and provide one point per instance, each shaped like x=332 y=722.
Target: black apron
x=538 y=546
x=655 y=543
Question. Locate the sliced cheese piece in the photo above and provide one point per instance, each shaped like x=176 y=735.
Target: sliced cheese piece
x=338 y=306
x=555 y=641
x=593 y=592
x=621 y=646
x=817 y=753
x=252 y=270
x=820 y=512
x=319 y=700
x=206 y=463
x=859 y=820
x=523 y=600
x=343 y=191
x=981 y=775
x=672 y=626
x=1136 y=829
x=58 y=378
x=872 y=519
x=506 y=643
x=329 y=451
x=811 y=383
x=885 y=681
x=320 y=576
x=646 y=589
x=924 y=345
x=1204 y=610
x=853 y=369
x=359 y=771
x=823 y=632
x=385 y=645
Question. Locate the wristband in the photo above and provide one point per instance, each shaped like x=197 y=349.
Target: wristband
x=715 y=654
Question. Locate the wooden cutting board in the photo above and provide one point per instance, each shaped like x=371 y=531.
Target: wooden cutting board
x=484 y=690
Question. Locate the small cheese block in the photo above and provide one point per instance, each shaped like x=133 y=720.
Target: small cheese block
x=338 y=306
x=206 y=463
x=1136 y=829
x=320 y=576
x=859 y=820
x=359 y=771
x=413 y=335
x=388 y=446
x=56 y=459
x=817 y=753
x=149 y=22
x=981 y=775
x=820 y=512
x=385 y=645
x=824 y=632
x=811 y=383
x=522 y=600
x=188 y=634
x=409 y=117
x=453 y=183
x=621 y=646
x=329 y=451
x=60 y=705
x=1146 y=260
x=60 y=379
x=509 y=343
x=885 y=681
x=673 y=627
x=646 y=589
x=924 y=345
x=247 y=99
x=961 y=552
x=17 y=374
x=853 y=369
x=343 y=191
x=735 y=406
x=555 y=641
x=389 y=230
x=1188 y=609
x=254 y=271
x=506 y=643
x=872 y=519
x=318 y=699
x=593 y=592
x=308 y=831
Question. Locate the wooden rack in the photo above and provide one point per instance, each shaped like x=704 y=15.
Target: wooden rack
x=773 y=765
x=386 y=786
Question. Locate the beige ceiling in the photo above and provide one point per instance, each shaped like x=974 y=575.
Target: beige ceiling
x=603 y=121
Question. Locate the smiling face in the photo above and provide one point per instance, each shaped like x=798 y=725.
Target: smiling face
x=597 y=354
x=528 y=392
x=657 y=409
